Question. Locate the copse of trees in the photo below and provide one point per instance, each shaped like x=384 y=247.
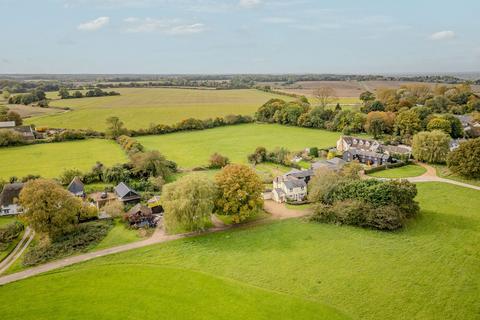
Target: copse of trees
x=465 y=159
x=458 y=99
x=64 y=93
x=431 y=147
x=343 y=198
x=379 y=123
x=279 y=156
x=27 y=98
x=300 y=114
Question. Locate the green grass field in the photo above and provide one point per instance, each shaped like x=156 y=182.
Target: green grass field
x=50 y=160
x=118 y=235
x=411 y=170
x=285 y=270
x=4 y=220
x=194 y=148
x=139 y=107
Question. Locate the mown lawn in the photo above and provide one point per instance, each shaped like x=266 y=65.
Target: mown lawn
x=411 y=170
x=138 y=107
x=194 y=148
x=119 y=235
x=284 y=270
x=51 y=159
x=4 y=220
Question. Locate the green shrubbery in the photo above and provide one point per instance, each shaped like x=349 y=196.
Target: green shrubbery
x=11 y=138
x=345 y=199
x=9 y=233
x=129 y=144
x=84 y=237
x=279 y=156
x=192 y=124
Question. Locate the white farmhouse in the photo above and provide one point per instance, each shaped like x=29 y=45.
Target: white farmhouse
x=292 y=186
x=9 y=199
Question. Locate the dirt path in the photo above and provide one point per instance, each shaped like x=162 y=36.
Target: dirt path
x=17 y=252
x=217 y=223
x=431 y=176
x=278 y=212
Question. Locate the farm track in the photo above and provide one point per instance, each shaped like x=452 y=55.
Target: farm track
x=429 y=176
x=22 y=245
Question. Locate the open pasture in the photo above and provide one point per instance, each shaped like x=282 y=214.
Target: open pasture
x=194 y=148
x=50 y=160
x=139 y=107
x=285 y=270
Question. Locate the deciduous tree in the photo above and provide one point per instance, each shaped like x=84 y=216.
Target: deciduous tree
x=465 y=160
x=431 y=147
x=48 y=208
x=115 y=127
x=188 y=203
x=240 y=192
x=150 y=164
x=325 y=96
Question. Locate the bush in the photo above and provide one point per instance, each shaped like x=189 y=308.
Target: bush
x=69 y=135
x=10 y=232
x=11 y=138
x=84 y=237
x=217 y=161
x=129 y=144
x=114 y=208
x=67 y=176
x=313 y=152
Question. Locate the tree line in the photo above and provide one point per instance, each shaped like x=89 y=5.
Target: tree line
x=64 y=93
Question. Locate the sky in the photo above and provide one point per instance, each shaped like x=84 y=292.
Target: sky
x=239 y=36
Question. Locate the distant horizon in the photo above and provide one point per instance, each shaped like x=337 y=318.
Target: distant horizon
x=433 y=73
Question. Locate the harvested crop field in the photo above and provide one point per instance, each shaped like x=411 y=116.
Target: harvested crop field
x=139 y=107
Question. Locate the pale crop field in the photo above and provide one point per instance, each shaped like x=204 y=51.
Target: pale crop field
x=139 y=107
